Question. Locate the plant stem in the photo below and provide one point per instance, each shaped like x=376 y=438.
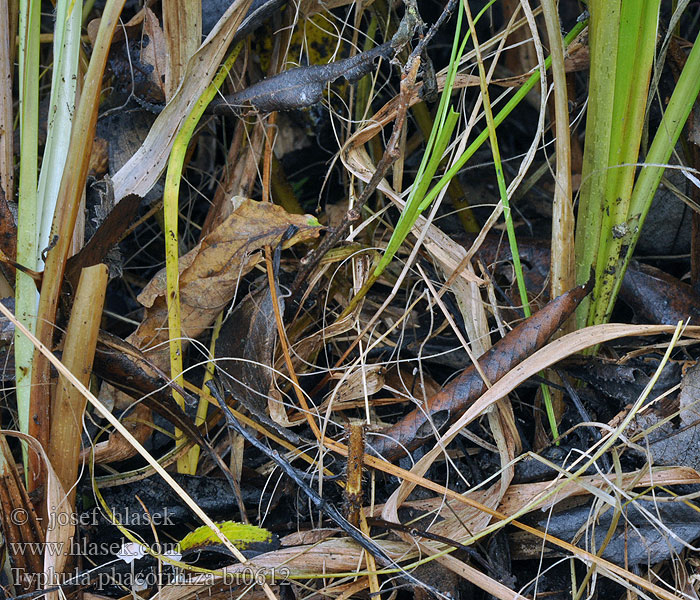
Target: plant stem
x=603 y=33
x=69 y=195
x=188 y=463
x=684 y=96
x=25 y=289
x=637 y=41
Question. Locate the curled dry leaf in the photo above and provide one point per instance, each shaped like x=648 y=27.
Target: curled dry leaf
x=244 y=353
x=361 y=383
x=209 y=276
x=210 y=272
x=442 y=410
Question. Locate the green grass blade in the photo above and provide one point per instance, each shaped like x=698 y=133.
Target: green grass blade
x=637 y=42
x=187 y=464
x=603 y=35
x=25 y=290
x=498 y=120
x=684 y=96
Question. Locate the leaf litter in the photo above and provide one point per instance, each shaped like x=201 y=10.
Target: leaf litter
x=447 y=439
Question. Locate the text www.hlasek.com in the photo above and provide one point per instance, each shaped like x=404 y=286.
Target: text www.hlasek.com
x=80 y=547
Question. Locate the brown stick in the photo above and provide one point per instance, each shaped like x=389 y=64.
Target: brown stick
x=78 y=355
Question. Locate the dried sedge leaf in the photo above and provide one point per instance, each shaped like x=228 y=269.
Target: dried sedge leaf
x=329 y=556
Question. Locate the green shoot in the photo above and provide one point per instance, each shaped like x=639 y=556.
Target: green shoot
x=25 y=290
x=188 y=464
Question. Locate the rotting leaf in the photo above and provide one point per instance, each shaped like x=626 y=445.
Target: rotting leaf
x=244 y=351
x=124 y=367
x=301 y=87
x=624 y=382
x=655 y=296
x=127 y=369
x=449 y=404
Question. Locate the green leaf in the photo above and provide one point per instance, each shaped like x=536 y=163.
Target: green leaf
x=244 y=537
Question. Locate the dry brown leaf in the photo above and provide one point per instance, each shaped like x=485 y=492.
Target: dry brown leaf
x=210 y=272
x=363 y=382
x=155 y=52
x=209 y=276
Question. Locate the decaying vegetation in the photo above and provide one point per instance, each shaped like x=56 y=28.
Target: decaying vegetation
x=349 y=299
